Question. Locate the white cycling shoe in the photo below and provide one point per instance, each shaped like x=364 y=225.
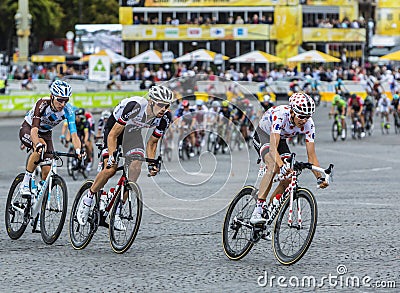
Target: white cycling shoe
x=257 y=218
x=25 y=191
x=118 y=224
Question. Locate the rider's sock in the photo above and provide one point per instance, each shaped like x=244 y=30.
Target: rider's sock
x=260 y=203
x=27 y=177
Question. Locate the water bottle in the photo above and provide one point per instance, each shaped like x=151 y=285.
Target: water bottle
x=277 y=200
x=103 y=201
x=110 y=194
x=34 y=189
x=100 y=166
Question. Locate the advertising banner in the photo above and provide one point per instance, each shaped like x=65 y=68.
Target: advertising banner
x=80 y=100
x=203 y=32
x=332 y=2
x=349 y=11
x=99 y=68
x=388 y=23
x=324 y=35
x=288 y=25
x=387 y=3
x=199 y=3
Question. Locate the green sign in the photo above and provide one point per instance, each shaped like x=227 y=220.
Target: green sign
x=99 y=66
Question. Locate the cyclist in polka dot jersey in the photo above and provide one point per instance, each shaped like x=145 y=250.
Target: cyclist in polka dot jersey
x=276 y=125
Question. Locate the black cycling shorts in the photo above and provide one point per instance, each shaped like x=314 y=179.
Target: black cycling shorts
x=261 y=141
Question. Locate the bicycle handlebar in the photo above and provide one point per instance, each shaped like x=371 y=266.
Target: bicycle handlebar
x=56 y=155
x=299 y=166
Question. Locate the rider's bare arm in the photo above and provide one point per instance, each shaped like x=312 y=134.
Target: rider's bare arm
x=86 y=131
x=312 y=157
x=112 y=137
x=151 y=147
x=273 y=148
x=76 y=141
x=35 y=136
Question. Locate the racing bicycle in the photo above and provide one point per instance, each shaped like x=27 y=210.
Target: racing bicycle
x=293 y=219
x=125 y=200
x=46 y=208
x=338 y=128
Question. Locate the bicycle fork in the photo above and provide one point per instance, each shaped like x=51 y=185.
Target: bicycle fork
x=292 y=187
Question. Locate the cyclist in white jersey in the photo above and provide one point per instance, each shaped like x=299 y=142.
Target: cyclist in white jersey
x=36 y=130
x=384 y=106
x=277 y=124
x=134 y=114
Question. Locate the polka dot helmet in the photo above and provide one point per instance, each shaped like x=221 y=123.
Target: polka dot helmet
x=302 y=104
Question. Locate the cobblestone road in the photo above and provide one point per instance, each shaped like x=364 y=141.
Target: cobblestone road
x=358 y=227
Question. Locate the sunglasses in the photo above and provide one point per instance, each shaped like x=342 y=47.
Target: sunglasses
x=62 y=100
x=162 y=105
x=303 y=117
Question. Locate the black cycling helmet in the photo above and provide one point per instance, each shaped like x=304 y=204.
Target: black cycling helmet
x=80 y=112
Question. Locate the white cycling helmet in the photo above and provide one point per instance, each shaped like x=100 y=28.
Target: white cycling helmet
x=199 y=103
x=60 y=88
x=215 y=104
x=302 y=104
x=161 y=93
x=105 y=114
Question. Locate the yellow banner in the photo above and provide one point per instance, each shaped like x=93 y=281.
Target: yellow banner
x=48 y=59
x=125 y=15
x=194 y=32
x=388 y=23
x=199 y=3
x=331 y=2
x=350 y=12
x=333 y=35
x=387 y=4
x=288 y=23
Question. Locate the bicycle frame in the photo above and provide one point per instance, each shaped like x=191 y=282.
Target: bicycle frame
x=120 y=187
x=35 y=208
x=291 y=189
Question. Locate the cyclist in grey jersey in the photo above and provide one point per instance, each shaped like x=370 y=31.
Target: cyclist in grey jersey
x=36 y=130
x=129 y=117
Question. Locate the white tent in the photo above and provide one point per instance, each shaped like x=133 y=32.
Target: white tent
x=256 y=57
x=313 y=56
x=114 y=57
x=149 y=56
x=199 y=55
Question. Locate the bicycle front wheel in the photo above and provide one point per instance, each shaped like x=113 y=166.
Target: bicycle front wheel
x=335 y=131
x=54 y=210
x=16 y=215
x=125 y=218
x=292 y=240
x=236 y=233
x=79 y=235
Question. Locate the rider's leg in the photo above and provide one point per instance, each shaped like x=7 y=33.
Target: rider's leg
x=102 y=177
x=266 y=181
x=89 y=149
x=134 y=170
x=280 y=189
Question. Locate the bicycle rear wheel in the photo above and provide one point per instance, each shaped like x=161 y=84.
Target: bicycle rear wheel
x=130 y=215
x=81 y=236
x=16 y=221
x=236 y=233
x=54 y=210
x=291 y=241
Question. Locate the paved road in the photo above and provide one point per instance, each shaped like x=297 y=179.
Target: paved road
x=178 y=248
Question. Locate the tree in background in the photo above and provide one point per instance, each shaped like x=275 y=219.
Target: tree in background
x=53 y=18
